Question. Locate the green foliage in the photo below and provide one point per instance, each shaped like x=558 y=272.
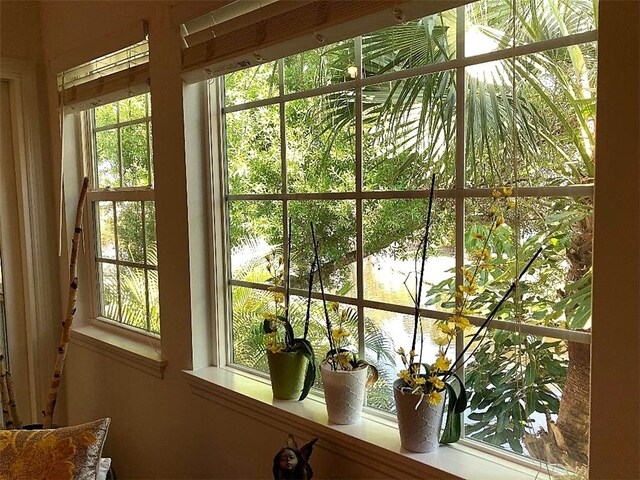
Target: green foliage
x=408 y=133
x=512 y=376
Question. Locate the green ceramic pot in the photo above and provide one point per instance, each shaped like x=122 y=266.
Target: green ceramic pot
x=287 y=370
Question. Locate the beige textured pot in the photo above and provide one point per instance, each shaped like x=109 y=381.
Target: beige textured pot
x=344 y=393
x=419 y=428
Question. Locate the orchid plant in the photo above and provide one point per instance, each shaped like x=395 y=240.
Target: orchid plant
x=430 y=381
x=279 y=336
x=341 y=355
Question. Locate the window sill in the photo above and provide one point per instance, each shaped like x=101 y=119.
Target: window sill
x=373 y=441
x=133 y=349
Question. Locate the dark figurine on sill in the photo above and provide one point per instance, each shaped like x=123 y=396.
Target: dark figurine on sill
x=291 y=463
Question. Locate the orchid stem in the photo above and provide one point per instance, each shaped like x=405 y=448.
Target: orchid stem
x=324 y=301
x=312 y=271
x=424 y=254
x=288 y=340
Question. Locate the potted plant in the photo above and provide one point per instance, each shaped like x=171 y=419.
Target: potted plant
x=418 y=392
x=344 y=377
x=291 y=360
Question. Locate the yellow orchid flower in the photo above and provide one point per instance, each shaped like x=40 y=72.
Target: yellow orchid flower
x=442 y=340
x=470 y=289
x=434 y=398
x=437 y=382
x=442 y=363
x=447 y=328
x=461 y=322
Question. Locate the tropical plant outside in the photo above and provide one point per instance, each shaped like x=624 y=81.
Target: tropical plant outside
x=528 y=379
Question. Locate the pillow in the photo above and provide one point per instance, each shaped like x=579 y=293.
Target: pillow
x=60 y=454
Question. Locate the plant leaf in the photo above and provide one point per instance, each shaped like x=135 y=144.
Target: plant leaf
x=304 y=346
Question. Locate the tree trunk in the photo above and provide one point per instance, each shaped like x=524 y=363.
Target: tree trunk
x=566 y=441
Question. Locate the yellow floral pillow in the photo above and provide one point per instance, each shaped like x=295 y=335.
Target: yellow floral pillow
x=61 y=454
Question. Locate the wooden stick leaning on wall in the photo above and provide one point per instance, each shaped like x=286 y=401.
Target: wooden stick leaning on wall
x=17 y=423
x=71 y=309
x=4 y=393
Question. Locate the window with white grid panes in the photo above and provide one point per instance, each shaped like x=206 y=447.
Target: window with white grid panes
x=348 y=136
x=123 y=207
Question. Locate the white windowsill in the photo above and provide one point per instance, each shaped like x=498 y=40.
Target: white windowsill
x=130 y=348
x=372 y=442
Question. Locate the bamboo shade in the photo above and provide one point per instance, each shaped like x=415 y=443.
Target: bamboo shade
x=311 y=24
x=110 y=88
x=105 y=79
x=235 y=16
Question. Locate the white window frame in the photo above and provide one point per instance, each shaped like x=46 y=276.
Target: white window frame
x=459 y=193
x=95 y=195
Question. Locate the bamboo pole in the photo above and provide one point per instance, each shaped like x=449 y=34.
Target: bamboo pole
x=4 y=393
x=71 y=309
x=13 y=408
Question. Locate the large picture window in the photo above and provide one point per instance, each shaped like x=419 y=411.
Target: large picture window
x=348 y=136
x=123 y=207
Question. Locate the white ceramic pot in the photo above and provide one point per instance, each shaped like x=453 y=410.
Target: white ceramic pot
x=344 y=393
x=419 y=427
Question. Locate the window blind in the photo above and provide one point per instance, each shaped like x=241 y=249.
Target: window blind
x=106 y=79
x=286 y=28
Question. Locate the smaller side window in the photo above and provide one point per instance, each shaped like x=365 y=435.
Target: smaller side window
x=122 y=203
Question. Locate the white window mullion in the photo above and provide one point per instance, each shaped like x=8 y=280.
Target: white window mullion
x=460 y=180
x=359 y=200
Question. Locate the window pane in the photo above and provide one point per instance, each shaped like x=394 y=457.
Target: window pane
x=554 y=116
x=393 y=231
x=150 y=232
x=395 y=330
x=253 y=150
x=133 y=297
x=106 y=241
x=154 y=301
x=412 y=44
x=106 y=115
x=255 y=83
x=321 y=143
x=255 y=231
x=545 y=19
x=107 y=160
x=334 y=222
x=150 y=137
x=380 y=351
x=135 y=156
x=108 y=290
x=488 y=27
x=319 y=67
x=527 y=390
x=249 y=306
x=556 y=292
x=133 y=108
x=129 y=226
x=409 y=132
